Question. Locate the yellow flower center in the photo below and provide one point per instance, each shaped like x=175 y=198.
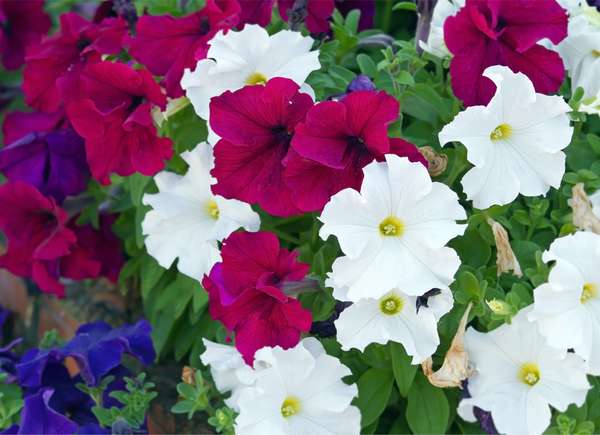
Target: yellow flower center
x=529 y=374
x=212 y=209
x=503 y=131
x=590 y=291
x=391 y=226
x=290 y=406
x=256 y=78
x=391 y=304
x=596 y=53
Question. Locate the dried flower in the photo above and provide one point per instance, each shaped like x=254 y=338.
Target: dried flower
x=583 y=216
x=505 y=257
x=188 y=375
x=455 y=368
x=437 y=161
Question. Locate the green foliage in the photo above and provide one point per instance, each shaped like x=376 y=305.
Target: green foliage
x=11 y=402
x=135 y=400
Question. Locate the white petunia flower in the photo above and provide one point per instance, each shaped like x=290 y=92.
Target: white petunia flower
x=580 y=51
x=228 y=369
x=301 y=392
x=396 y=317
x=248 y=57
x=518 y=375
x=435 y=44
x=187 y=220
x=393 y=233
x=514 y=143
x=567 y=308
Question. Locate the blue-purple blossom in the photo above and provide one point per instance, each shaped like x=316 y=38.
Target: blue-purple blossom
x=98 y=348
x=361 y=83
x=38 y=417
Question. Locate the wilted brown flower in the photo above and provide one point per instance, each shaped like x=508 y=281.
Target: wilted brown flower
x=505 y=257
x=437 y=162
x=455 y=368
x=583 y=216
x=188 y=375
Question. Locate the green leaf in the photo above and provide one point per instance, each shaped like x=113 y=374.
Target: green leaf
x=351 y=23
x=406 y=6
x=428 y=410
x=404 y=78
x=374 y=389
x=404 y=371
x=366 y=65
x=137 y=185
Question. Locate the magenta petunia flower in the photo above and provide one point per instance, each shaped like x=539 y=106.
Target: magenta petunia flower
x=256 y=12
x=37 y=235
x=57 y=61
x=113 y=115
x=334 y=143
x=317 y=13
x=43 y=150
x=494 y=32
x=22 y=23
x=256 y=124
x=246 y=293
x=100 y=249
x=167 y=45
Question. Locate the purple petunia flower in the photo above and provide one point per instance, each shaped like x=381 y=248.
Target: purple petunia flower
x=38 y=417
x=98 y=348
x=44 y=151
x=361 y=83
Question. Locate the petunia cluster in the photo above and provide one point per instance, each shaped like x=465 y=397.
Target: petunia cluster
x=51 y=378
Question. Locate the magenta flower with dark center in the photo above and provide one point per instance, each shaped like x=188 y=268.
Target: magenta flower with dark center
x=494 y=32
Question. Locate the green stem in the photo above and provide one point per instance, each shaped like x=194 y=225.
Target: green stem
x=387 y=16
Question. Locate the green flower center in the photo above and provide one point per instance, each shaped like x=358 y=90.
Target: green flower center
x=503 y=131
x=290 y=406
x=212 y=209
x=596 y=53
x=391 y=304
x=590 y=291
x=391 y=226
x=529 y=374
x=256 y=78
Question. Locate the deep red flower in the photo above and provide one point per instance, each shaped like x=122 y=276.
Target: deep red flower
x=256 y=12
x=497 y=32
x=245 y=293
x=57 y=61
x=256 y=124
x=317 y=13
x=98 y=252
x=44 y=151
x=334 y=143
x=22 y=23
x=167 y=45
x=37 y=235
x=113 y=115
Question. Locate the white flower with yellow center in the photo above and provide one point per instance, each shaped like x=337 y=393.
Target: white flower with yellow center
x=299 y=391
x=514 y=142
x=567 y=308
x=517 y=375
x=228 y=369
x=187 y=220
x=580 y=51
x=248 y=57
x=393 y=232
x=395 y=316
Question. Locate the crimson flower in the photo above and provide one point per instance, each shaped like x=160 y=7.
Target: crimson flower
x=256 y=12
x=99 y=248
x=334 y=143
x=246 y=293
x=57 y=61
x=256 y=124
x=113 y=115
x=37 y=233
x=167 y=45
x=22 y=23
x=43 y=150
x=497 y=32
x=44 y=244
